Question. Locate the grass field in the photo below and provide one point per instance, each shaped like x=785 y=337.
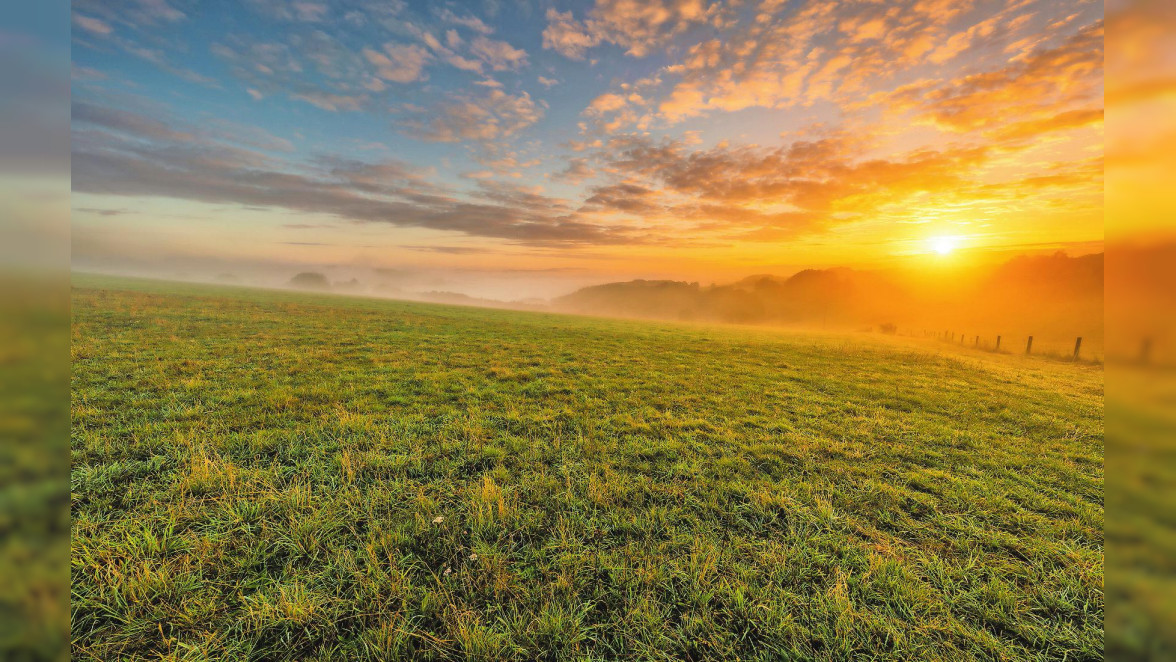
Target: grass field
x=276 y=475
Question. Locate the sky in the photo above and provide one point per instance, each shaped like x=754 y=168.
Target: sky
x=516 y=148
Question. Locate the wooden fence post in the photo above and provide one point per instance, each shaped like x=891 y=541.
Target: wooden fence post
x=1077 y=347
x=997 y=344
x=977 y=343
x=1145 y=351
x=1029 y=345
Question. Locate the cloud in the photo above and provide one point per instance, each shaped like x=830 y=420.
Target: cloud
x=344 y=79
x=1036 y=128
x=813 y=53
x=576 y=172
x=404 y=63
x=501 y=160
x=97 y=18
x=168 y=129
x=1039 y=86
x=624 y=197
x=478 y=174
x=926 y=100
x=92 y=25
x=471 y=22
x=266 y=63
x=605 y=103
x=500 y=55
x=566 y=36
x=85 y=73
x=243 y=134
x=134 y=14
x=464 y=63
x=610 y=112
x=103 y=212
x=756 y=193
x=494 y=115
x=390 y=176
x=311 y=12
x=127 y=122
x=518 y=196
x=155 y=11
x=331 y=102
x=642 y=26
x=159 y=59
x=449 y=250
x=144 y=159
x=639 y=26
x=291 y=10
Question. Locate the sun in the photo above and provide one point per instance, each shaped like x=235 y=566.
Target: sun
x=944 y=245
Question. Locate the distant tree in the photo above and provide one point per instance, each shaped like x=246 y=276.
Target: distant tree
x=310 y=280
x=352 y=285
x=888 y=328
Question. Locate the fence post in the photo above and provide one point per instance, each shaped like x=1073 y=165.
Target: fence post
x=1145 y=351
x=977 y=343
x=997 y=344
x=1077 y=347
x=1029 y=345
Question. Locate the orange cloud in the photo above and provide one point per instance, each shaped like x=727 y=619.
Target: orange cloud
x=1045 y=83
x=639 y=26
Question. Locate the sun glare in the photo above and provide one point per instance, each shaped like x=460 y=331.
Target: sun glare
x=944 y=245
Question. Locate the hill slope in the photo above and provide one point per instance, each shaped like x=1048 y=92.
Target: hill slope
x=1054 y=298
x=290 y=476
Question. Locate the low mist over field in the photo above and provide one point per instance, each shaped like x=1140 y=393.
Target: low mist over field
x=1047 y=295
x=1053 y=297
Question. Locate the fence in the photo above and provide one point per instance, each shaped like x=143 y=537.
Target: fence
x=993 y=344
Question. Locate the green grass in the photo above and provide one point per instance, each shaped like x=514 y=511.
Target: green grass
x=276 y=475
